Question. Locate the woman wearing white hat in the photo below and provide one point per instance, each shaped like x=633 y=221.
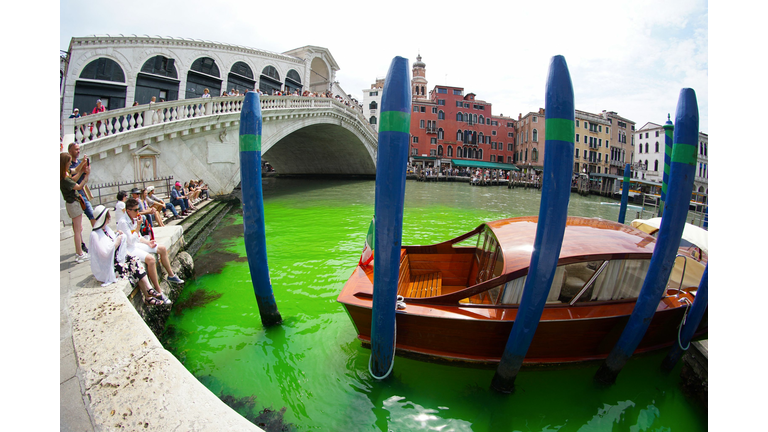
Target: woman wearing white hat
x=107 y=264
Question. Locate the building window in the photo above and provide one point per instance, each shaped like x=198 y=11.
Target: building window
x=450 y=151
x=510 y=147
x=656 y=166
x=439 y=150
x=535 y=134
x=440 y=133
x=577 y=137
x=415 y=139
x=657 y=146
x=423 y=109
x=493 y=158
x=646 y=147
x=415 y=108
x=373 y=120
x=441 y=101
x=459 y=116
x=373 y=105
x=414 y=151
x=421 y=124
x=433 y=141
x=442 y=90
x=457 y=92
x=441 y=115
x=535 y=119
x=432 y=152
x=459 y=135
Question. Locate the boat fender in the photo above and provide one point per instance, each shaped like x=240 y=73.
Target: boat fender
x=400 y=302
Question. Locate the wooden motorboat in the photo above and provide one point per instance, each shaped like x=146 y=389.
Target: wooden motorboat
x=461 y=297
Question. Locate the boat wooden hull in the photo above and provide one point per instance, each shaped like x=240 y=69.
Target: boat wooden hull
x=556 y=340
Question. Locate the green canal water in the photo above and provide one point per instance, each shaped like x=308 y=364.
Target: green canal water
x=314 y=367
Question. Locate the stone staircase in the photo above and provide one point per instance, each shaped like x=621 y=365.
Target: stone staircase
x=199 y=224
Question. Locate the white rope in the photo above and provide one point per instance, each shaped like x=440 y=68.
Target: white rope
x=680 y=328
x=400 y=304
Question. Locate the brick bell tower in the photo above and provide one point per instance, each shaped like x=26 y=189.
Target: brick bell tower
x=419 y=80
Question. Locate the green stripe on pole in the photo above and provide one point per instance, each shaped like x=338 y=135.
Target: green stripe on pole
x=250 y=142
x=560 y=129
x=395 y=121
x=684 y=153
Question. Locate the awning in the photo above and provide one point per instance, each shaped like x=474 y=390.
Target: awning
x=423 y=157
x=483 y=164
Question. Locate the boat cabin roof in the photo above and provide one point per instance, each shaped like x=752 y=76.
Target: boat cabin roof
x=584 y=239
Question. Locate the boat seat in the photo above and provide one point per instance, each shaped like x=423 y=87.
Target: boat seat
x=426 y=285
x=418 y=286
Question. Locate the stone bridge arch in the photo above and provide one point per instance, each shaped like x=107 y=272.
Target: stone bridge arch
x=199 y=138
x=317 y=145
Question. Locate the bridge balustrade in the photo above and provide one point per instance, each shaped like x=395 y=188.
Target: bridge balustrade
x=96 y=126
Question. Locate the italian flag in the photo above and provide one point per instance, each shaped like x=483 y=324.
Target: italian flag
x=367 y=257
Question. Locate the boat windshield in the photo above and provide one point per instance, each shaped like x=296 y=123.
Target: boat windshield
x=587 y=281
x=490 y=263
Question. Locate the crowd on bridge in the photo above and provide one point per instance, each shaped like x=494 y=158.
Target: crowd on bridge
x=128 y=253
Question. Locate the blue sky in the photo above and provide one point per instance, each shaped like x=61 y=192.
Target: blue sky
x=632 y=57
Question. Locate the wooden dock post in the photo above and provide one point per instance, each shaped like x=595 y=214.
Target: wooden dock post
x=624 y=194
x=394 y=130
x=553 y=213
x=682 y=172
x=253 y=209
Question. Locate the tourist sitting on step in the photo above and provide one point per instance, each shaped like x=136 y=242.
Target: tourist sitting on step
x=203 y=189
x=143 y=210
x=157 y=215
x=108 y=264
x=159 y=204
x=191 y=191
x=143 y=249
x=179 y=198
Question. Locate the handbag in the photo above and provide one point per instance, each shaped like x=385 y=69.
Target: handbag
x=80 y=200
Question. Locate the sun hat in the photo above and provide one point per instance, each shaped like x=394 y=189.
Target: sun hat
x=101 y=213
x=135 y=191
x=150 y=189
x=178 y=184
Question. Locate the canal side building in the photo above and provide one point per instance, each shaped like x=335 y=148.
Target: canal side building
x=649 y=157
x=449 y=128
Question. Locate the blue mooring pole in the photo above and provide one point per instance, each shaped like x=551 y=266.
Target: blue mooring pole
x=253 y=209
x=553 y=213
x=690 y=323
x=682 y=171
x=669 y=129
x=394 y=136
x=624 y=195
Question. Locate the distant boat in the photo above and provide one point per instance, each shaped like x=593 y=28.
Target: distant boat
x=461 y=296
